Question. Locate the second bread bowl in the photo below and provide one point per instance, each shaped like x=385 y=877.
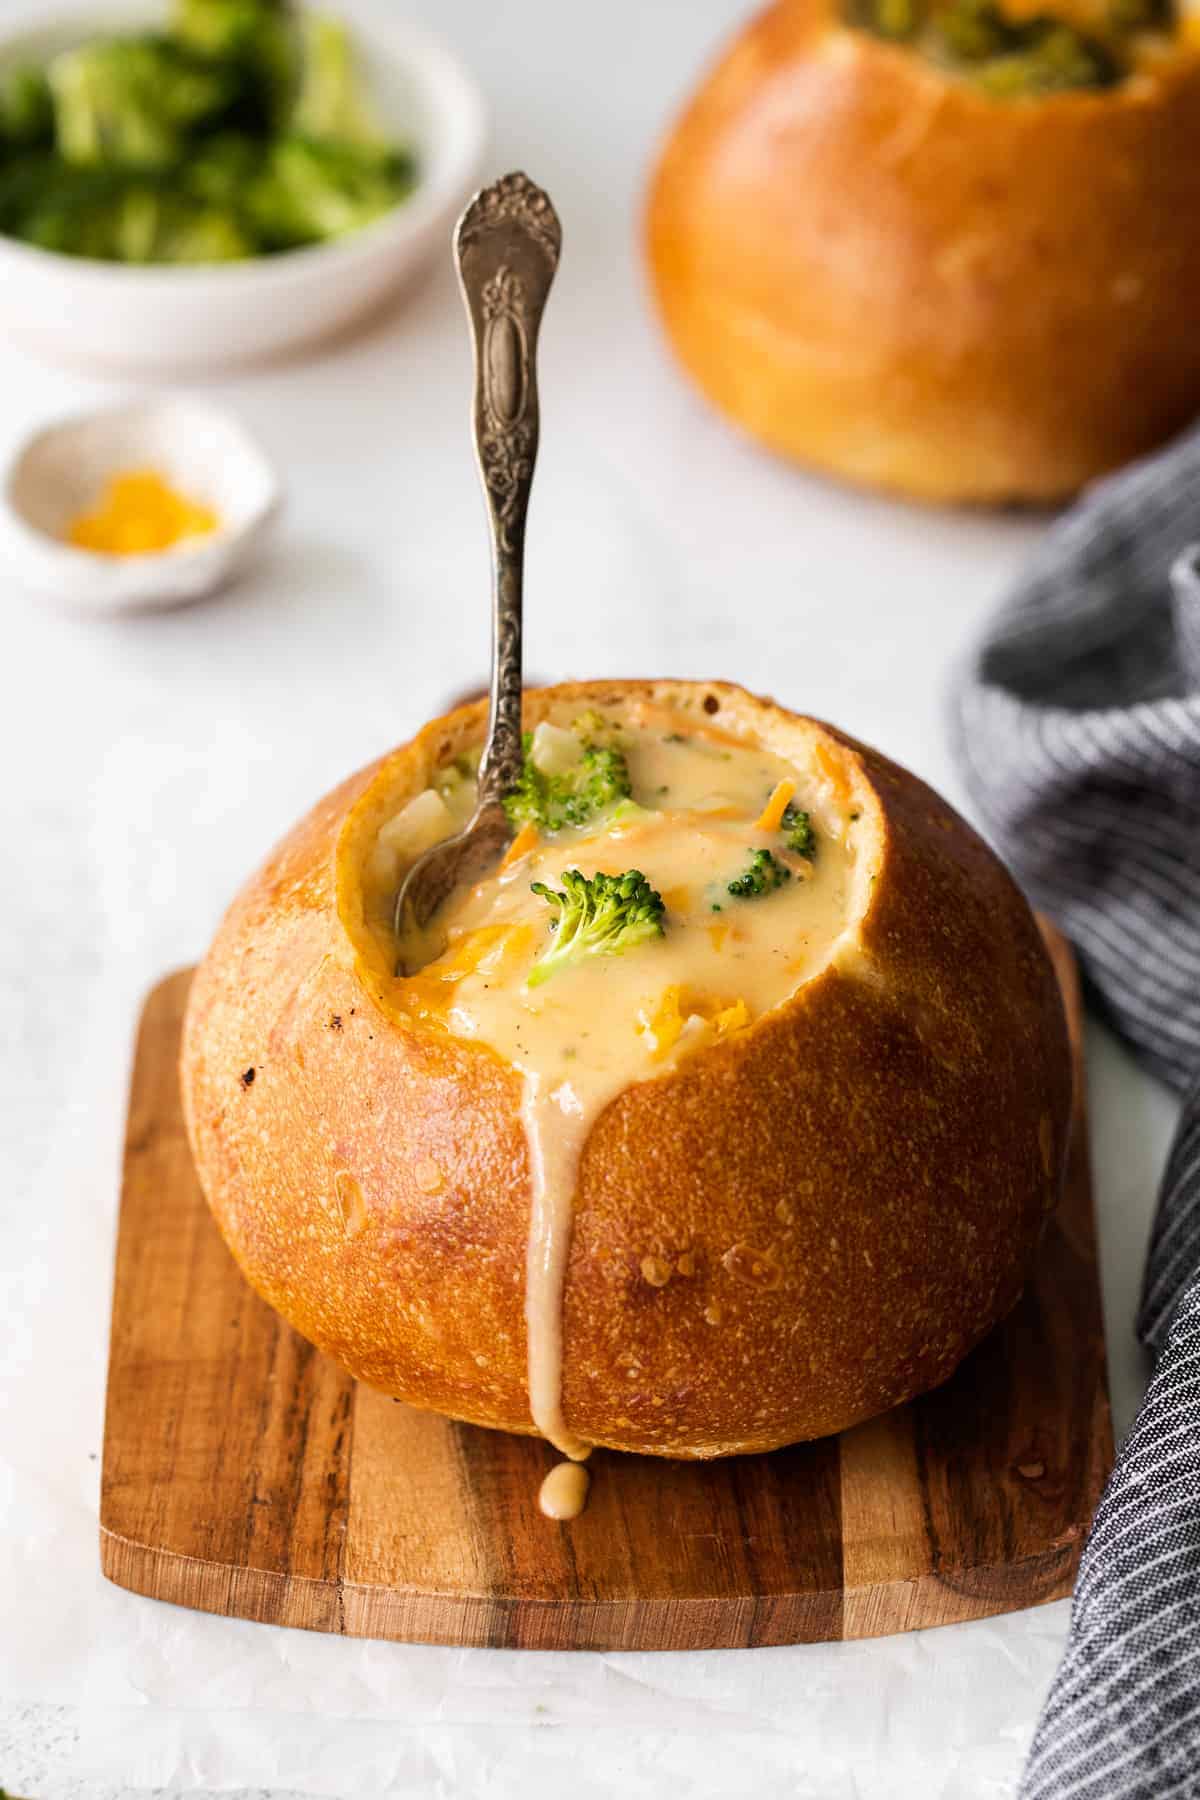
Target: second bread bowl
x=939 y=248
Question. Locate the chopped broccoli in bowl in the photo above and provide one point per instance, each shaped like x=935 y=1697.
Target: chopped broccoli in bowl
x=572 y=793
x=259 y=38
x=26 y=109
x=598 y=915
x=242 y=129
x=329 y=103
x=798 y=830
x=308 y=190
x=762 y=875
x=133 y=103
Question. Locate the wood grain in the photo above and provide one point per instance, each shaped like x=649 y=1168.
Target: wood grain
x=245 y=1474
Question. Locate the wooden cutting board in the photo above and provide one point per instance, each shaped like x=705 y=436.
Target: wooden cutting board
x=245 y=1474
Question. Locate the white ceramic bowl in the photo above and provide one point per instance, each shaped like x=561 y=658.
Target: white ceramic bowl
x=164 y=320
x=60 y=472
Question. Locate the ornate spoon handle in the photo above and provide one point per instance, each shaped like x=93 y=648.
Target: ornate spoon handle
x=507 y=245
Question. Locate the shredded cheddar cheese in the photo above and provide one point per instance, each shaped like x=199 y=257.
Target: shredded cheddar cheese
x=661 y=1028
x=702 y=1019
x=139 y=514
x=833 y=769
x=734 y=1017
x=525 y=841
x=771 y=816
x=488 y=950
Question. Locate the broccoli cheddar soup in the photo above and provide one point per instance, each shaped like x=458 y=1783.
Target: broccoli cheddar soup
x=1016 y=50
x=666 y=885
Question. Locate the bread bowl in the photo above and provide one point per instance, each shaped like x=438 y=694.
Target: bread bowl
x=773 y=1220
x=879 y=262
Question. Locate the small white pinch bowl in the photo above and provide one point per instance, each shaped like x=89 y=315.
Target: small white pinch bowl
x=156 y=321
x=62 y=470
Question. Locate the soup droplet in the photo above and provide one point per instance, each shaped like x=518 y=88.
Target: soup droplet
x=564 y=1492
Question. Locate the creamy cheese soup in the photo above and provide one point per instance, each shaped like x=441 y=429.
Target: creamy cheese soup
x=739 y=875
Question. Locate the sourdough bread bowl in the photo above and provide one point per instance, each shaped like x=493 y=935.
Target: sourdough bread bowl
x=901 y=267
x=809 y=1217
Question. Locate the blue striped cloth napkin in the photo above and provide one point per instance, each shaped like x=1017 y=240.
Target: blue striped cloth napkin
x=1077 y=722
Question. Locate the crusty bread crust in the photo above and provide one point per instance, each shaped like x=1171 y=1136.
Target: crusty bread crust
x=877 y=270
x=849 y=1193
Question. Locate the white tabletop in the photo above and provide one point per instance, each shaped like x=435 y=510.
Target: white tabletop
x=148 y=764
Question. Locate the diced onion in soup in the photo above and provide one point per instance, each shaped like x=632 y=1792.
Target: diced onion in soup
x=554 y=750
x=425 y=821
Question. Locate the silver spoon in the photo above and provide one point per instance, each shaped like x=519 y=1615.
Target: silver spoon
x=506 y=246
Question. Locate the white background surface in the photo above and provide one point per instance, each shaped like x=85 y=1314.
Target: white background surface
x=147 y=766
